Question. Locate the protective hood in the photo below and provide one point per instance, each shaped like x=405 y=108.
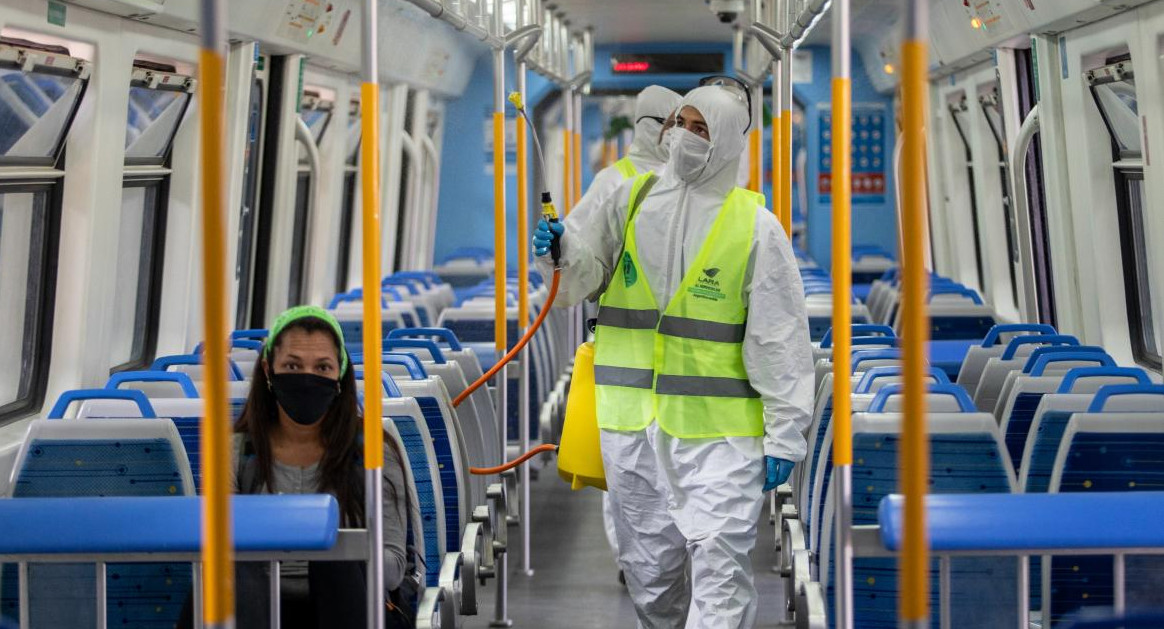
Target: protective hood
x=727 y=118
x=654 y=101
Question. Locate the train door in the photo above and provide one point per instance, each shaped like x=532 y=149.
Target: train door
x=351 y=196
x=252 y=165
x=960 y=204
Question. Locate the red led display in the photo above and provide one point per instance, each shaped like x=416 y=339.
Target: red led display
x=632 y=66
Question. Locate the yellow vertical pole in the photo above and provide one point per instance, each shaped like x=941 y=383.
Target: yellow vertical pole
x=577 y=124
x=373 y=331
x=217 y=546
x=913 y=603
x=567 y=171
x=786 y=142
x=755 y=157
x=499 y=252
x=842 y=304
x=778 y=182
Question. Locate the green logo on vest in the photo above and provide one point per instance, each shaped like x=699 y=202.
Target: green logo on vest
x=630 y=275
x=707 y=287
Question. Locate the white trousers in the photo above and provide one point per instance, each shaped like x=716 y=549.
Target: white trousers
x=685 y=516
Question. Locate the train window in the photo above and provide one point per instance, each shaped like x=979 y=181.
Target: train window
x=40 y=89
x=1113 y=88
x=958 y=114
x=315 y=112
x=351 y=195
x=158 y=98
x=989 y=100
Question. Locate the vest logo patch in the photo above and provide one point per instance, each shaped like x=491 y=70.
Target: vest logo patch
x=630 y=274
x=707 y=287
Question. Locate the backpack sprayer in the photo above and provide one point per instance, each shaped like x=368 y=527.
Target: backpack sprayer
x=584 y=432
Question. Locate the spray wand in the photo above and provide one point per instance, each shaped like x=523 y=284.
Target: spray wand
x=550 y=214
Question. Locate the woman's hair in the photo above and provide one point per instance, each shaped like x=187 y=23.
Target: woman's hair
x=339 y=470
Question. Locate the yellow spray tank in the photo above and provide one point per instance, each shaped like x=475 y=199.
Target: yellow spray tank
x=580 y=453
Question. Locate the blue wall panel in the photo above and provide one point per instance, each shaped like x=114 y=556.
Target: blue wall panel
x=874 y=215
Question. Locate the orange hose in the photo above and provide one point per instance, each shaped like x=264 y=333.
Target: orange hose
x=516 y=348
x=487 y=471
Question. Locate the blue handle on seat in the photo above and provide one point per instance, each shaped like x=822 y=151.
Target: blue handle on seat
x=1113 y=390
x=964 y=292
x=1085 y=353
x=869 y=377
x=390 y=290
x=1038 y=339
x=859 y=329
x=1072 y=352
x=351 y=296
x=177 y=377
x=444 y=334
x=818 y=290
x=388 y=282
x=428 y=278
x=408 y=361
x=997 y=331
x=78 y=395
x=234 y=344
x=875 y=354
x=165 y=362
x=1079 y=373
x=398 y=343
x=254 y=334
x=390 y=387
x=957 y=392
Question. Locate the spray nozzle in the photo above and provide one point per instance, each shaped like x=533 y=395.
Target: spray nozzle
x=515 y=98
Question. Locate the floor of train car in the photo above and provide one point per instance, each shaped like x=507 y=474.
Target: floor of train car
x=575 y=583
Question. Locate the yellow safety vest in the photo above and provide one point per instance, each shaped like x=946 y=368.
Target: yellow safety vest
x=627 y=168
x=684 y=368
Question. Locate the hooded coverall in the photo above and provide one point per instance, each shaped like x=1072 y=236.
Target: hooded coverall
x=697 y=500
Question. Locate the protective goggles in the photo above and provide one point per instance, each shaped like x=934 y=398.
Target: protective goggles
x=736 y=88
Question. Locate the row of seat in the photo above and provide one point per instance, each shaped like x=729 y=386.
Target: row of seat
x=462 y=522
x=1029 y=412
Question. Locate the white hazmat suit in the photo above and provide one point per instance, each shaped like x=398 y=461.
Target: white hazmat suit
x=697 y=500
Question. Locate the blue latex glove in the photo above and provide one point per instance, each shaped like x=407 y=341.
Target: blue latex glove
x=777 y=472
x=544 y=235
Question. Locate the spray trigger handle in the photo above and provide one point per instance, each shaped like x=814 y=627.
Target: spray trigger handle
x=550 y=213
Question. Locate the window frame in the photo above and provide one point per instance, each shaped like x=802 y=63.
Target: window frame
x=39 y=343
x=53 y=60
x=348 y=203
x=1127 y=168
x=963 y=134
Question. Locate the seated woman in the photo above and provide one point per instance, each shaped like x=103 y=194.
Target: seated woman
x=301 y=432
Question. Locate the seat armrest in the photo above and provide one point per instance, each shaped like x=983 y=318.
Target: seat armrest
x=473 y=549
x=428 y=613
x=450 y=583
x=498 y=497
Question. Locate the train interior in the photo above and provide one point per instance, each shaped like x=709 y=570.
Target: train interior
x=1033 y=215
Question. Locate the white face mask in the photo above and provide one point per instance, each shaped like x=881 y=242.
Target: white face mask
x=689 y=154
x=665 y=143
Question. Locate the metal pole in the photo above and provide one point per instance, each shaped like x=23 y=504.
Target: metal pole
x=217 y=548
x=274 y=604
x=913 y=605
x=842 y=304
x=373 y=341
x=523 y=303
x=778 y=182
x=756 y=156
x=102 y=597
x=1119 y=578
x=501 y=319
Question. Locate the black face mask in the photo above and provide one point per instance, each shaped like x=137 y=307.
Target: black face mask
x=304 y=397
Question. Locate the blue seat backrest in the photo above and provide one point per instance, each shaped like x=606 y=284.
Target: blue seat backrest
x=426 y=494
x=480 y=330
x=945 y=328
x=826 y=418
x=446 y=465
x=969 y=462
x=63 y=595
x=1046 y=447
x=1019 y=424
x=1100 y=462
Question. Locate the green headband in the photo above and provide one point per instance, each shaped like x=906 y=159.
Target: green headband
x=306 y=312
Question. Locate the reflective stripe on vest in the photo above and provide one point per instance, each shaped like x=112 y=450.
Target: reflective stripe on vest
x=683 y=368
x=626 y=168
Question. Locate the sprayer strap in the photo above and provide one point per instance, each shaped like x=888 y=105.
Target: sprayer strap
x=637 y=201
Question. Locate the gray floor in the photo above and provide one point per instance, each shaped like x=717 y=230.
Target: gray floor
x=575 y=581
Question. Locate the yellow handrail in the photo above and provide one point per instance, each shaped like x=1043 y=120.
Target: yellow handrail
x=373 y=341
x=755 y=160
x=913 y=606
x=842 y=270
x=567 y=170
x=786 y=161
x=217 y=545
x=777 y=179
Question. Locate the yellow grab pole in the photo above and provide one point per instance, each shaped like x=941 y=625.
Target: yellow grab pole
x=577 y=124
x=217 y=546
x=786 y=142
x=842 y=251
x=753 y=158
x=373 y=331
x=777 y=173
x=499 y=253
x=567 y=172
x=913 y=604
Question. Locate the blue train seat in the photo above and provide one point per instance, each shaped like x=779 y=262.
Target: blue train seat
x=1105 y=452
x=404 y=417
x=1013 y=356
x=967 y=457
x=100 y=457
